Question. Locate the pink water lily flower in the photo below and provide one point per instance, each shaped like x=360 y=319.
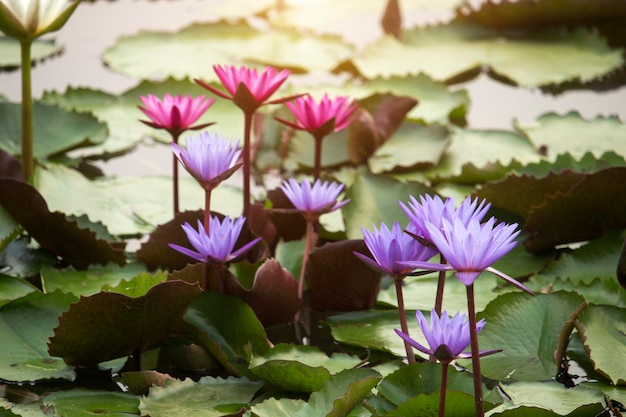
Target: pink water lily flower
x=321 y=117
x=209 y=158
x=174 y=113
x=248 y=88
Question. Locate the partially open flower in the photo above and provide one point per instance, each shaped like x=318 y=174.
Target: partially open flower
x=218 y=244
x=246 y=87
x=174 y=113
x=209 y=158
x=388 y=247
x=320 y=117
x=447 y=337
x=313 y=200
x=29 y=19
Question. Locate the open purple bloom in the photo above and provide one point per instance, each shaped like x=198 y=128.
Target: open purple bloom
x=434 y=210
x=313 y=200
x=447 y=337
x=388 y=247
x=471 y=248
x=218 y=245
x=208 y=158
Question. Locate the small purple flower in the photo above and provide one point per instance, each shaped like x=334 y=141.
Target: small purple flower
x=208 y=158
x=313 y=200
x=388 y=247
x=447 y=337
x=471 y=248
x=434 y=210
x=218 y=245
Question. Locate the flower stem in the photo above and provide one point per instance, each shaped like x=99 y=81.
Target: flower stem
x=175 y=137
x=443 y=389
x=317 y=165
x=207 y=229
x=410 y=356
x=309 y=244
x=248 y=116
x=478 y=388
x=27 y=111
x=440 y=287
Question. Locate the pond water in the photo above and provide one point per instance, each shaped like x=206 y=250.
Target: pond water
x=95 y=26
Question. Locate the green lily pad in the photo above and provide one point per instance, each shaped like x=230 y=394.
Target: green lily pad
x=127 y=205
x=40 y=51
x=596 y=259
x=190 y=49
x=12 y=288
x=81 y=402
x=228 y=328
x=374 y=330
x=89 y=281
x=122 y=116
x=604 y=335
x=339 y=396
x=125 y=325
x=209 y=397
x=449 y=51
x=587 y=164
x=26 y=324
x=299 y=368
x=411 y=146
x=596 y=291
x=9 y=229
x=551 y=396
x=374 y=200
x=570 y=133
x=55 y=130
x=526 y=328
x=482 y=155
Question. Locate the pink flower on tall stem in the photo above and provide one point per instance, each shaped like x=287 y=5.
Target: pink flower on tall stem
x=320 y=118
x=249 y=89
x=175 y=114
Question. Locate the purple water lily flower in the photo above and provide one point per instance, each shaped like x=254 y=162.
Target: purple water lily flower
x=434 y=210
x=388 y=247
x=208 y=158
x=313 y=200
x=447 y=337
x=471 y=248
x=218 y=244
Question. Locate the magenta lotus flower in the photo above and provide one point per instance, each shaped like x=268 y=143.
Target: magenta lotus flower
x=433 y=210
x=313 y=200
x=246 y=87
x=321 y=117
x=218 y=244
x=447 y=337
x=471 y=248
x=388 y=247
x=174 y=113
x=208 y=158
